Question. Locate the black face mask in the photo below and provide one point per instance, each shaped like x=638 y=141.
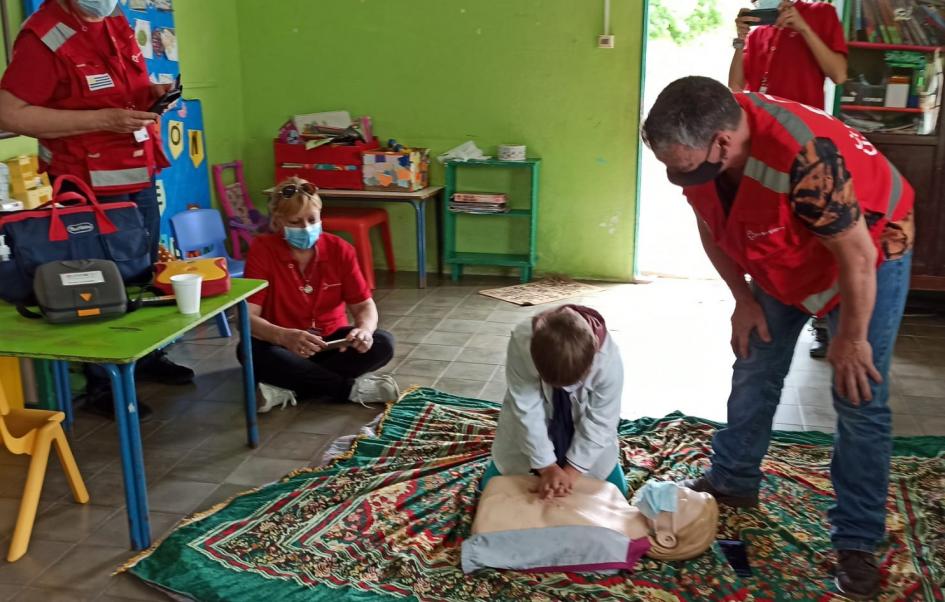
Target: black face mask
x=705 y=172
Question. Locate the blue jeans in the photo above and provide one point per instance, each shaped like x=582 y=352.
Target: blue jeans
x=862 y=444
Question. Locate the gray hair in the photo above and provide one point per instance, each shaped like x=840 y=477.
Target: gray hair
x=690 y=111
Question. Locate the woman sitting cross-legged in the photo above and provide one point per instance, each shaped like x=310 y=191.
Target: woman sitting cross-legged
x=313 y=277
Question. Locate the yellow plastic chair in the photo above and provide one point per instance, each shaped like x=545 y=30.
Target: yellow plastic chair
x=33 y=432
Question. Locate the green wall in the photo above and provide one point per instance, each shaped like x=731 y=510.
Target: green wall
x=436 y=73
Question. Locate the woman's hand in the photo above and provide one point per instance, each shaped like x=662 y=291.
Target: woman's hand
x=747 y=316
x=743 y=24
x=361 y=340
x=302 y=343
x=124 y=121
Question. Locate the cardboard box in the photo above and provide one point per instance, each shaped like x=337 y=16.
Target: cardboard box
x=35 y=197
x=397 y=171
x=24 y=174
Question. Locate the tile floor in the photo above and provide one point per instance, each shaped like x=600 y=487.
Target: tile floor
x=674 y=339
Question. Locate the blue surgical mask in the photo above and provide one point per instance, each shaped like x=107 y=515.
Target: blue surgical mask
x=97 y=8
x=303 y=238
x=767 y=4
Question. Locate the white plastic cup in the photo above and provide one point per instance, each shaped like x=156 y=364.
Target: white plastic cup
x=511 y=152
x=187 y=292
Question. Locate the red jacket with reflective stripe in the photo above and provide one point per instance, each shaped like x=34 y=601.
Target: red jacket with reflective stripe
x=761 y=232
x=111 y=163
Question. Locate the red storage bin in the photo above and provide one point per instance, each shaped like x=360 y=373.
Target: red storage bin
x=328 y=166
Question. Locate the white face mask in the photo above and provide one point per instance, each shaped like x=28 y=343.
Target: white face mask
x=767 y=4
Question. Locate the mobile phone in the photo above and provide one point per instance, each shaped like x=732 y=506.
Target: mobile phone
x=736 y=553
x=767 y=16
x=337 y=344
x=170 y=97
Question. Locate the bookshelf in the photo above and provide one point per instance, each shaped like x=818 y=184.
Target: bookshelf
x=876 y=33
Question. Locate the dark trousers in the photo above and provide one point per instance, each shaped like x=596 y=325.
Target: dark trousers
x=96 y=378
x=325 y=374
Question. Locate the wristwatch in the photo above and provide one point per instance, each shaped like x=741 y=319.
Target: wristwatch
x=738 y=43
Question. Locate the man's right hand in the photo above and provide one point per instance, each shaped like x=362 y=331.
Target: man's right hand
x=124 y=121
x=747 y=316
x=743 y=23
x=302 y=343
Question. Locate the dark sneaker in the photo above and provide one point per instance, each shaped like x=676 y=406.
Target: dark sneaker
x=735 y=501
x=857 y=574
x=101 y=403
x=818 y=349
x=158 y=368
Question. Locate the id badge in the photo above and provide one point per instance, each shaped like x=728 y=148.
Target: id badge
x=142 y=135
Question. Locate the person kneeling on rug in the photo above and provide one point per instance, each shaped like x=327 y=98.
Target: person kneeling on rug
x=299 y=319
x=559 y=419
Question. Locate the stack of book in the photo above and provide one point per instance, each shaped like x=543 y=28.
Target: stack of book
x=478 y=202
x=911 y=22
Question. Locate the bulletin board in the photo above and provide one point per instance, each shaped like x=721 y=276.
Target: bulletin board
x=153 y=23
x=186 y=183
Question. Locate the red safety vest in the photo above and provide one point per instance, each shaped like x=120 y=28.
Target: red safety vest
x=111 y=163
x=761 y=232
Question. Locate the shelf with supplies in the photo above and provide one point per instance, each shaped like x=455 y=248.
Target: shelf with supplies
x=893 y=96
x=495 y=207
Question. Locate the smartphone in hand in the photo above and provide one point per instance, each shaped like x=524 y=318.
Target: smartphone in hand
x=337 y=344
x=170 y=97
x=766 y=16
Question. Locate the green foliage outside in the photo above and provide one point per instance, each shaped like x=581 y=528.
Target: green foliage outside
x=667 y=19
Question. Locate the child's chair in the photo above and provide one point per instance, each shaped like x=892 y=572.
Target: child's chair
x=358 y=222
x=201 y=231
x=33 y=432
x=243 y=219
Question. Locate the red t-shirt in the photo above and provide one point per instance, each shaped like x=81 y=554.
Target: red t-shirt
x=794 y=73
x=333 y=274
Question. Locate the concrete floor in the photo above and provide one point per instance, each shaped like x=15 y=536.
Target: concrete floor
x=674 y=340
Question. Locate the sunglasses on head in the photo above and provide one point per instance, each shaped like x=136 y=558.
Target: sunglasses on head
x=290 y=190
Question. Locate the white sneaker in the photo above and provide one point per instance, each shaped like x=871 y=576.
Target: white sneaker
x=374 y=388
x=273 y=396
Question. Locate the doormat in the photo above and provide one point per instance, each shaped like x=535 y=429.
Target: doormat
x=543 y=291
x=385 y=522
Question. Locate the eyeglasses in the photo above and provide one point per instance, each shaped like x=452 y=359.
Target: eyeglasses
x=290 y=190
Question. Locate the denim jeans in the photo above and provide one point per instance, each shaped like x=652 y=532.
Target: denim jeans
x=862 y=444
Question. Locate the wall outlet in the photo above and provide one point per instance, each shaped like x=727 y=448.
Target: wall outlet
x=605 y=41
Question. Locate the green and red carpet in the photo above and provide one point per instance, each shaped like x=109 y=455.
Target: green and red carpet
x=386 y=521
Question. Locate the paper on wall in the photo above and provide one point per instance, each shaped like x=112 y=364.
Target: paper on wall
x=143 y=38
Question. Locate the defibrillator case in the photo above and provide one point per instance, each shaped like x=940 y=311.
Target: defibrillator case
x=78 y=290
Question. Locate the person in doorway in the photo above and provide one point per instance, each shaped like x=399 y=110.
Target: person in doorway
x=823 y=224
x=791 y=59
x=77 y=82
x=313 y=277
x=559 y=419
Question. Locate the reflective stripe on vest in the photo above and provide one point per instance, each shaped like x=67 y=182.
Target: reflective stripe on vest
x=793 y=124
x=45 y=155
x=769 y=177
x=119 y=177
x=57 y=36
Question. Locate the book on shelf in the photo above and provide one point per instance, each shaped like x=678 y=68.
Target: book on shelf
x=909 y=22
x=479 y=202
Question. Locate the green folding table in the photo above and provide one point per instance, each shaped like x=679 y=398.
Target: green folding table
x=116 y=344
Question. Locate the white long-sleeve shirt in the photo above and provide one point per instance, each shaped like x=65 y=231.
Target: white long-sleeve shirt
x=522 y=441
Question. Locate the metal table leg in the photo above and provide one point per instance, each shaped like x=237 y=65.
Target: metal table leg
x=132 y=461
x=438 y=202
x=421 y=243
x=63 y=390
x=249 y=379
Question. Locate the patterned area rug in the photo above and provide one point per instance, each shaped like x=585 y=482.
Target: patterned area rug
x=543 y=291
x=386 y=521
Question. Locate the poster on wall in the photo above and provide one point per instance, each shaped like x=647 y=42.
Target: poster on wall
x=153 y=22
x=186 y=183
